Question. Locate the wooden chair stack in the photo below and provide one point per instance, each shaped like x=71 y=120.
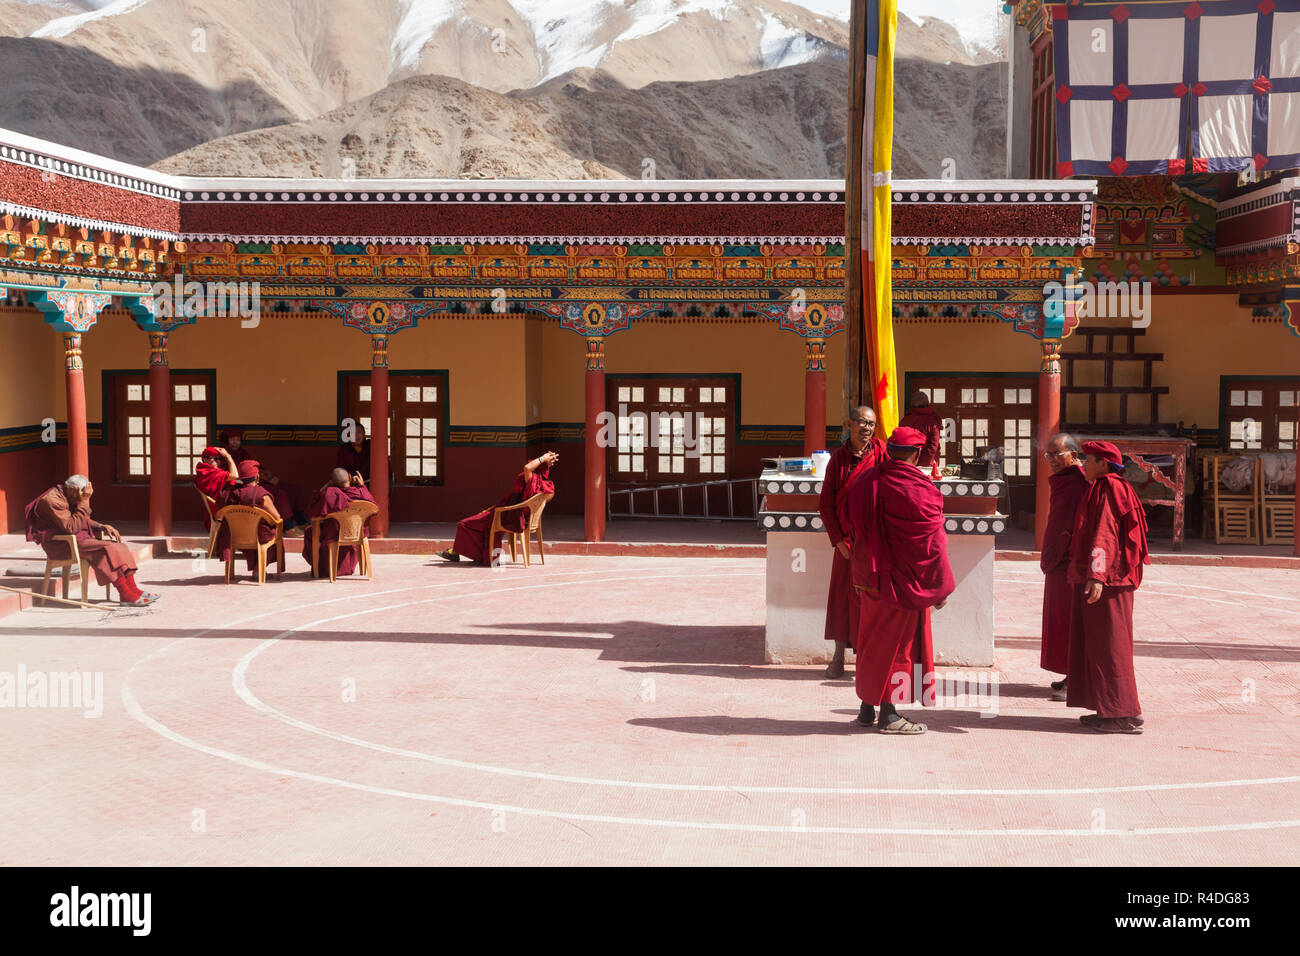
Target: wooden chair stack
x=65 y=565
x=243 y=522
x=1277 y=513
x=535 y=505
x=352 y=522
x=1233 y=516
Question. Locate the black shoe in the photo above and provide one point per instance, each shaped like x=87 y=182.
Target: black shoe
x=866 y=715
x=449 y=555
x=1059 y=684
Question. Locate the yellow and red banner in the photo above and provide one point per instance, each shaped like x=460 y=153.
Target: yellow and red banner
x=877 y=159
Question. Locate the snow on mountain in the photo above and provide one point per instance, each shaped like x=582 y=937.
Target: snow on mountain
x=62 y=26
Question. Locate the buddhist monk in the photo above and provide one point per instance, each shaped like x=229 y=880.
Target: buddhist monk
x=354 y=456
x=215 y=475
x=65 y=509
x=343 y=489
x=472 y=542
x=1107 y=554
x=921 y=416
x=1068 y=489
x=847 y=465
x=900 y=567
x=290 y=502
x=250 y=492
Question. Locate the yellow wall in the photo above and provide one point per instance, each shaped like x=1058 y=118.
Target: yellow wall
x=33 y=385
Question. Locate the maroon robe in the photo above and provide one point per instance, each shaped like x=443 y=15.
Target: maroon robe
x=332 y=499
x=50 y=515
x=1069 y=487
x=1109 y=545
x=252 y=496
x=290 y=500
x=927 y=421
x=353 y=461
x=900 y=560
x=842 y=473
x=472 y=532
x=215 y=482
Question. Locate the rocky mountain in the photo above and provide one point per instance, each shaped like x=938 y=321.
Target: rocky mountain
x=484 y=88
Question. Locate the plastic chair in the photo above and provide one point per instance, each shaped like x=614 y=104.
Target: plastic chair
x=210 y=506
x=74 y=559
x=352 y=522
x=535 y=505
x=243 y=521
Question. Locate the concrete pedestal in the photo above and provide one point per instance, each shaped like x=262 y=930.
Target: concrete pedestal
x=798 y=577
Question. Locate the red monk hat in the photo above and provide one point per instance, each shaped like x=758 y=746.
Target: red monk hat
x=248 y=468
x=1106 y=451
x=212 y=451
x=905 y=437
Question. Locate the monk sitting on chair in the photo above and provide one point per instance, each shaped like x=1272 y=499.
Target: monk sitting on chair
x=250 y=492
x=290 y=502
x=65 y=509
x=342 y=490
x=900 y=566
x=216 y=475
x=472 y=542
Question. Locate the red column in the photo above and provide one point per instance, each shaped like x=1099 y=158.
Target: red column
x=1049 y=423
x=814 y=397
x=1296 y=544
x=78 y=442
x=160 y=437
x=379 y=469
x=593 y=499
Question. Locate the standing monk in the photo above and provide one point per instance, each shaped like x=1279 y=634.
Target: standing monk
x=921 y=416
x=1069 y=487
x=900 y=566
x=342 y=490
x=66 y=510
x=472 y=533
x=847 y=465
x=1106 y=559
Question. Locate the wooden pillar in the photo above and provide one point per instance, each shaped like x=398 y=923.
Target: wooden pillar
x=379 y=468
x=593 y=500
x=814 y=397
x=161 y=448
x=1049 y=423
x=78 y=441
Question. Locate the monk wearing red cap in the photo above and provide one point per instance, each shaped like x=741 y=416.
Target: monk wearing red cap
x=289 y=499
x=1107 y=554
x=849 y=462
x=900 y=567
x=215 y=475
x=922 y=416
x=250 y=492
x=1068 y=488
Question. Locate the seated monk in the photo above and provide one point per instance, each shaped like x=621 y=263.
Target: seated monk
x=472 y=533
x=289 y=498
x=66 y=510
x=354 y=456
x=342 y=490
x=249 y=491
x=215 y=478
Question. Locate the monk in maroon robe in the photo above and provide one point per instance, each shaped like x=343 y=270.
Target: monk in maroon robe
x=354 y=456
x=848 y=463
x=65 y=509
x=1068 y=488
x=342 y=490
x=290 y=501
x=921 y=416
x=215 y=475
x=250 y=493
x=472 y=542
x=1107 y=555
x=900 y=566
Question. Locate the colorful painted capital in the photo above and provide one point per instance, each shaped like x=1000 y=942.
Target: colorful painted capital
x=596 y=354
x=70 y=311
x=815 y=350
x=157 y=348
x=379 y=351
x=596 y=318
x=72 y=352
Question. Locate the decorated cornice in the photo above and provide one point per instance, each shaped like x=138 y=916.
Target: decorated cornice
x=1265 y=219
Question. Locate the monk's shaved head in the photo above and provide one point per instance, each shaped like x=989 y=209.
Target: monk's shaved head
x=339 y=477
x=919 y=399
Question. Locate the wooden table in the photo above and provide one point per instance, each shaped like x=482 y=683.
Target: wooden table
x=1140 y=450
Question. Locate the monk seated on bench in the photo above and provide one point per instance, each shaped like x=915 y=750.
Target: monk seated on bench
x=65 y=509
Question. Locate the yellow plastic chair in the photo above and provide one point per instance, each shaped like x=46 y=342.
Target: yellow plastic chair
x=210 y=506
x=243 y=521
x=535 y=505
x=352 y=522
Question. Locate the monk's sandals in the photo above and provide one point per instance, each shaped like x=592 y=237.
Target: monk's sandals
x=1113 y=725
x=901 y=725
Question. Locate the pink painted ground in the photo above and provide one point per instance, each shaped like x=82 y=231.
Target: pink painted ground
x=617 y=710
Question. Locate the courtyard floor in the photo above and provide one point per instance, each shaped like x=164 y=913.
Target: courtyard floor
x=618 y=710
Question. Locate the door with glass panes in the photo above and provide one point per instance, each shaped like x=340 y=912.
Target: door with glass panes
x=671 y=429
x=1259 y=414
x=191 y=416
x=986 y=412
x=416 y=421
